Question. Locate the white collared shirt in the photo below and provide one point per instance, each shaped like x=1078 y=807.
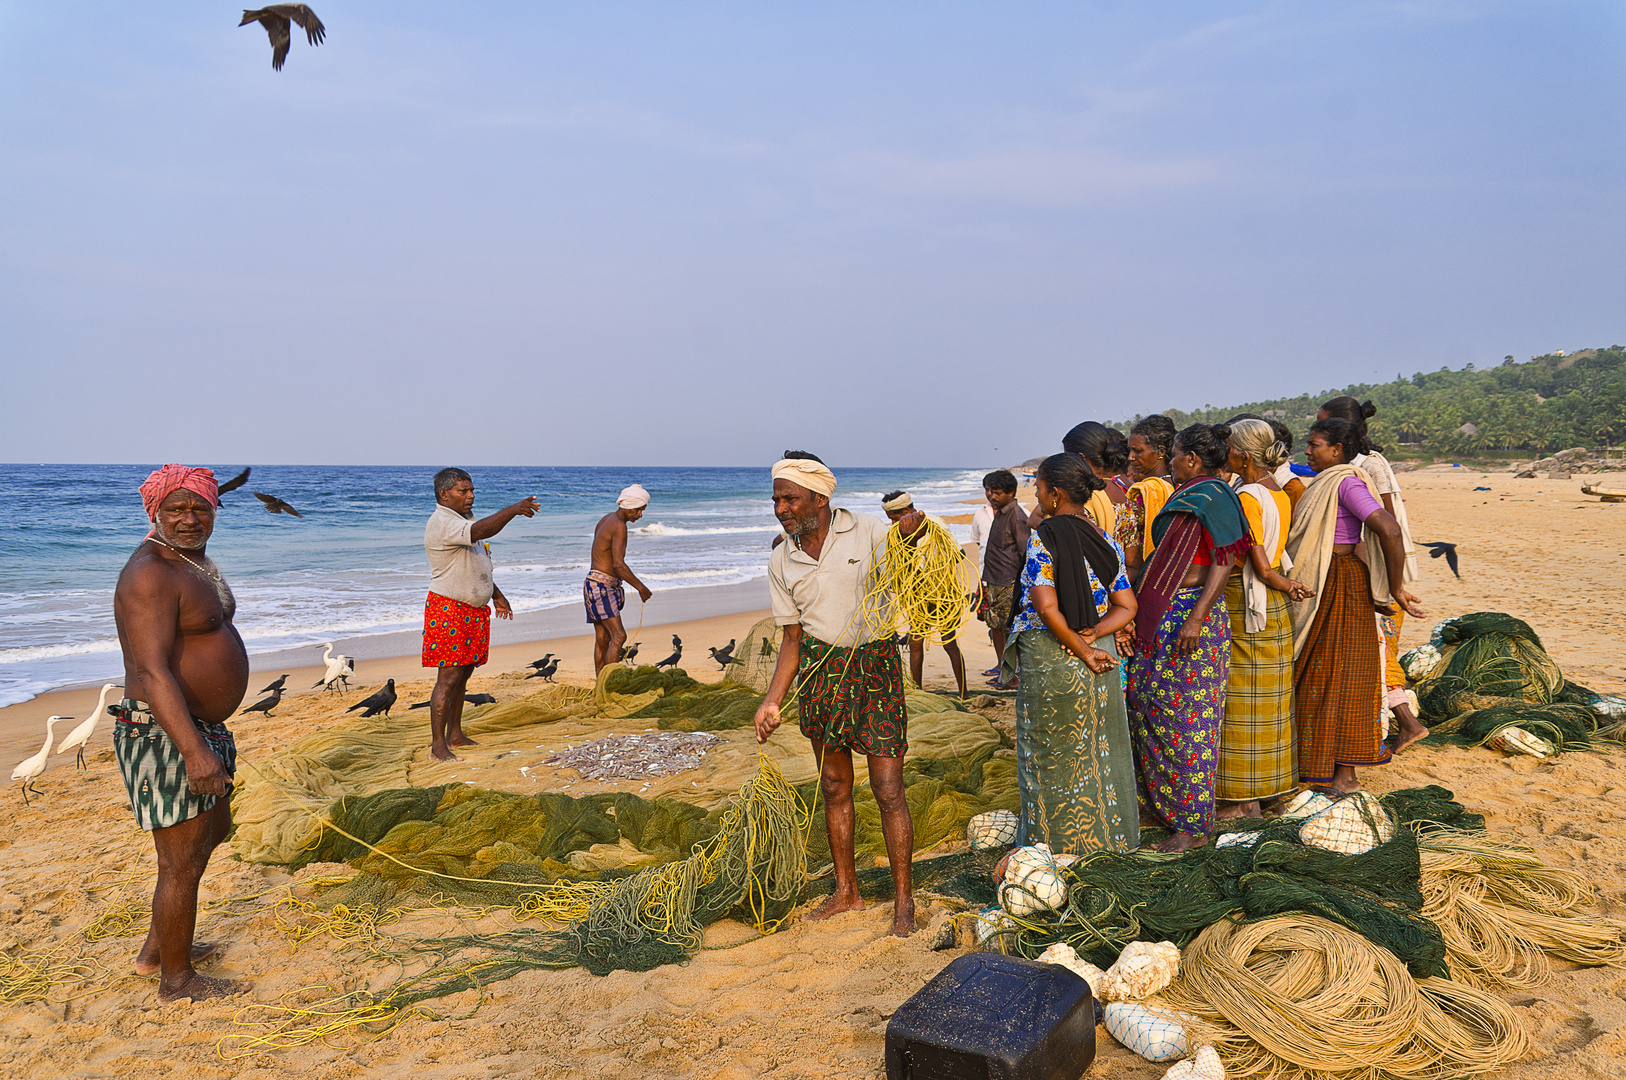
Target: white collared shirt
x=827 y=595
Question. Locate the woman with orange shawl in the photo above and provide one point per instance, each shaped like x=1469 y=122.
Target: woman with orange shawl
x=1151 y=441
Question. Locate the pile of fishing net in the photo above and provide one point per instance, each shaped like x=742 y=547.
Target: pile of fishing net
x=1485 y=672
x=1298 y=961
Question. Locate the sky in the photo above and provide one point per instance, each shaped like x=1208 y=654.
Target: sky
x=699 y=234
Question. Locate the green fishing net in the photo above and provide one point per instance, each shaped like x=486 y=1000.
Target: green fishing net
x=1493 y=673
x=1114 y=898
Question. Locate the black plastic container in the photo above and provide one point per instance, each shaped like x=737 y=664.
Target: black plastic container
x=992 y=1017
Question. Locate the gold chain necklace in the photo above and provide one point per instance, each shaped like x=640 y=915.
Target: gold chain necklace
x=213 y=575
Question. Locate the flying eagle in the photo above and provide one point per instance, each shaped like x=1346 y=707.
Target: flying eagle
x=276 y=20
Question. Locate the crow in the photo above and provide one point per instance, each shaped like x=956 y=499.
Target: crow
x=545 y=673
x=539 y=664
x=377 y=703
x=677 y=653
x=233 y=484
x=767 y=647
x=265 y=705
x=468 y=699
x=724 y=656
x=629 y=653
x=1448 y=550
x=277 y=686
x=276 y=18
x=274 y=505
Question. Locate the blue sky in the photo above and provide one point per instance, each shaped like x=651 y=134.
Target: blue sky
x=910 y=234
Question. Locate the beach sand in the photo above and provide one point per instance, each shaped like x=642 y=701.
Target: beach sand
x=812 y=1000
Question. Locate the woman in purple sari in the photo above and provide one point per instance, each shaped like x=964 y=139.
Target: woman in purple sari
x=1182 y=640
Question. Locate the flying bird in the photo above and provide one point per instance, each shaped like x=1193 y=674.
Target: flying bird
x=276 y=19
x=629 y=653
x=725 y=655
x=233 y=484
x=677 y=653
x=29 y=769
x=339 y=669
x=79 y=736
x=468 y=699
x=1449 y=551
x=377 y=703
x=278 y=685
x=274 y=505
x=265 y=705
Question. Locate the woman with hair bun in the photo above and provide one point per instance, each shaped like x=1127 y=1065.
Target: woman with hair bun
x=1377 y=469
x=1256 y=758
x=1074 y=768
x=1151 y=442
x=1337 y=661
x=1097 y=444
x=1183 y=639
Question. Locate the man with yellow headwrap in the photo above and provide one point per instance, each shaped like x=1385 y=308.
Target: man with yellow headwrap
x=838 y=652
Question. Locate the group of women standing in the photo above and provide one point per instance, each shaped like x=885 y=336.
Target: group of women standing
x=1197 y=629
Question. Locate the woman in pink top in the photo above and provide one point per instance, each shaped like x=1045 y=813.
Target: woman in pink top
x=1337 y=672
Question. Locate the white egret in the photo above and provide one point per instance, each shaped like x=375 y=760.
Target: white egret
x=29 y=768
x=79 y=736
x=339 y=668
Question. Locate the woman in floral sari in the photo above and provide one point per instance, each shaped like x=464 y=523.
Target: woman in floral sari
x=1183 y=639
x=1074 y=767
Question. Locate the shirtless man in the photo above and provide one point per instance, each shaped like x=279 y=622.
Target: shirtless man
x=602 y=593
x=185 y=673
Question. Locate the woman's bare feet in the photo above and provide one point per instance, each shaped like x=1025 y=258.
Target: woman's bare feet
x=148 y=965
x=1180 y=841
x=839 y=901
x=195 y=987
x=1344 y=781
x=1228 y=810
x=1409 y=729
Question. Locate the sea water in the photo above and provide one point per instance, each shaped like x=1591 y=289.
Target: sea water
x=355 y=564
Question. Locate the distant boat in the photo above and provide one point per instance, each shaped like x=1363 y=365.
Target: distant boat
x=1603 y=493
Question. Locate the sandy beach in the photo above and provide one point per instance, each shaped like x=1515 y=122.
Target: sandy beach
x=812 y=1000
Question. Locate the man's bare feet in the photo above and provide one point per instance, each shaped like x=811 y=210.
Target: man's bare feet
x=903 y=918
x=461 y=740
x=195 y=987
x=838 y=902
x=442 y=754
x=1180 y=841
x=148 y=965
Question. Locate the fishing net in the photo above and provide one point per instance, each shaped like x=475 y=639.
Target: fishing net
x=1493 y=673
x=1115 y=898
x=1298 y=996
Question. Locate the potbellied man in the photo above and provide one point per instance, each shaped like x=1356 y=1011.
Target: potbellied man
x=827 y=583
x=185 y=672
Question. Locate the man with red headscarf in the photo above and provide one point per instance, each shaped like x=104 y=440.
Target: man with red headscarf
x=185 y=673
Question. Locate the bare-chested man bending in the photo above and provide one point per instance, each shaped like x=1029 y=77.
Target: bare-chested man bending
x=185 y=672
x=602 y=592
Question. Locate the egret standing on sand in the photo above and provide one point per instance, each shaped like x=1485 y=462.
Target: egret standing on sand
x=456 y=618
x=338 y=670
x=185 y=673
x=79 y=736
x=29 y=768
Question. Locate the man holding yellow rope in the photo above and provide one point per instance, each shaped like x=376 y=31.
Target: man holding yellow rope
x=848 y=678
x=897 y=504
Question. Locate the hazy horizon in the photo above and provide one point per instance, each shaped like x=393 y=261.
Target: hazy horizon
x=905 y=234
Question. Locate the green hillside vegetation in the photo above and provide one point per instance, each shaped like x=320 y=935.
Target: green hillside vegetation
x=1546 y=404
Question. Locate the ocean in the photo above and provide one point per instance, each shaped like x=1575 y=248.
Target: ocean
x=355 y=564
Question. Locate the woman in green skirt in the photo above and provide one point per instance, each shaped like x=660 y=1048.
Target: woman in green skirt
x=1074 y=766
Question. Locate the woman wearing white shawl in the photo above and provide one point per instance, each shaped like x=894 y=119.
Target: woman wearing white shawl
x=1257 y=741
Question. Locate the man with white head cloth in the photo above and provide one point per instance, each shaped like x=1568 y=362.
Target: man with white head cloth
x=846 y=672
x=602 y=592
